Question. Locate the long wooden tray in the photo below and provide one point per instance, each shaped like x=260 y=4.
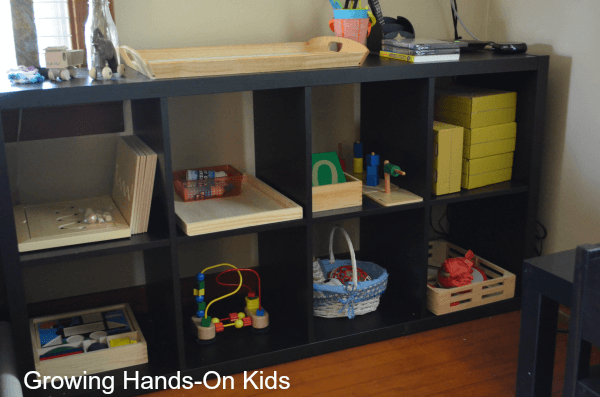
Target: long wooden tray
x=240 y=59
x=258 y=204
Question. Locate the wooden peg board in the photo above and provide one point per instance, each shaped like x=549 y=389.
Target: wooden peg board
x=60 y=224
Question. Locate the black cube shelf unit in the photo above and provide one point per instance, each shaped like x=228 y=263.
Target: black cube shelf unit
x=397 y=104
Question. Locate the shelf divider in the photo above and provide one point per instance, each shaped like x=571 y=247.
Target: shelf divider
x=12 y=274
x=151 y=124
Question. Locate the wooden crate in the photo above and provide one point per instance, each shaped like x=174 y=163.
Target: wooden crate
x=500 y=284
x=339 y=195
x=91 y=362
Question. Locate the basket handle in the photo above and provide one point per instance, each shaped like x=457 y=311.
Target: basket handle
x=352 y=257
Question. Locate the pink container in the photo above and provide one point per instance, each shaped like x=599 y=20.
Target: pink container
x=353 y=29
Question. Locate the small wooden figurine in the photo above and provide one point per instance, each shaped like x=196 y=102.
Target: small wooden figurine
x=61 y=62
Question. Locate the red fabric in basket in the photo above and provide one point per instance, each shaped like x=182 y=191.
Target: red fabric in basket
x=456 y=272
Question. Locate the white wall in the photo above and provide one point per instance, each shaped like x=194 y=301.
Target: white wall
x=570 y=184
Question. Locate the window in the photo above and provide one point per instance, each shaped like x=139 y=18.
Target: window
x=7 y=47
x=52 y=23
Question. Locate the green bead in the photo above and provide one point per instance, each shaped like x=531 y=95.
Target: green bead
x=201 y=305
x=390 y=168
x=206 y=321
x=201 y=285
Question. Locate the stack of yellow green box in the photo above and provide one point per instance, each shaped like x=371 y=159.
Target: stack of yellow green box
x=488 y=117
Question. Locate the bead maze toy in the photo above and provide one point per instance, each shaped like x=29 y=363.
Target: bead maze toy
x=253 y=315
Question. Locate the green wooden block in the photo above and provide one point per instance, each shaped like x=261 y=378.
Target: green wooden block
x=326 y=169
x=200 y=285
x=201 y=306
x=206 y=321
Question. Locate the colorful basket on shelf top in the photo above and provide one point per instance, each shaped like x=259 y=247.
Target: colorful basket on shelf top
x=354 y=298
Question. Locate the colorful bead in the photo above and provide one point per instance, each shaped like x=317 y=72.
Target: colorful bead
x=206 y=321
x=239 y=323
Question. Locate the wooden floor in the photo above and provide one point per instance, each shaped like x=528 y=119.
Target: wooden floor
x=477 y=358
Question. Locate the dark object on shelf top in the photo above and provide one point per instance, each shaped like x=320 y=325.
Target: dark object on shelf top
x=387 y=27
x=509 y=48
x=472 y=45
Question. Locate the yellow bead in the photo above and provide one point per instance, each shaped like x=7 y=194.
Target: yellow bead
x=239 y=323
x=215 y=320
x=201 y=292
x=241 y=315
x=195 y=292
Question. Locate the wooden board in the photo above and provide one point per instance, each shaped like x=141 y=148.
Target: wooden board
x=396 y=196
x=151 y=159
x=240 y=59
x=258 y=204
x=127 y=174
x=91 y=362
x=39 y=226
x=144 y=184
x=339 y=195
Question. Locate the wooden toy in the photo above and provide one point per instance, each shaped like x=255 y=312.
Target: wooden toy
x=239 y=59
x=61 y=62
x=72 y=222
x=63 y=344
x=206 y=327
x=358 y=158
x=372 y=169
x=388 y=194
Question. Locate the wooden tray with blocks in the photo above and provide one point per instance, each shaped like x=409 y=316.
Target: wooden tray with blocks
x=94 y=340
x=318 y=53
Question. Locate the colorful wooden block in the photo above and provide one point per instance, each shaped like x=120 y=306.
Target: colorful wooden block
x=372 y=159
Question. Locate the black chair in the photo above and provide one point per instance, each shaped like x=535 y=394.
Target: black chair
x=584 y=326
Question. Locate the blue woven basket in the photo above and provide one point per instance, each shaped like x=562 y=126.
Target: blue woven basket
x=332 y=301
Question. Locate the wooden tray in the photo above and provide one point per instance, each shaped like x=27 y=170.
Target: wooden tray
x=91 y=362
x=258 y=204
x=500 y=284
x=339 y=195
x=240 y=59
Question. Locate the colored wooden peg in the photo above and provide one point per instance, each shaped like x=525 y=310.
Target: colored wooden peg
x=390 y=169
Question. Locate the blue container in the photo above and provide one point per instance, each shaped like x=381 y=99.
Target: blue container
x=350 y=14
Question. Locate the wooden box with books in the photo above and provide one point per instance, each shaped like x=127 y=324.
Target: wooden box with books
x=87 y=342
x=119 y=215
